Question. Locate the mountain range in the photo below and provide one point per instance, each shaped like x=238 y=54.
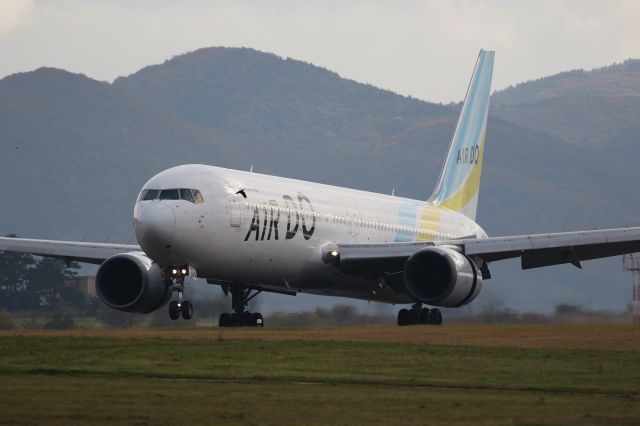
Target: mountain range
x=560 y=155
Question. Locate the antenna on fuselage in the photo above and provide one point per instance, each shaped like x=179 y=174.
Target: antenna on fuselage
x=393 y=192
x=251 y=169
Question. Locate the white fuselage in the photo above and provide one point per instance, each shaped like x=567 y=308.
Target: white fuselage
x=269 y=232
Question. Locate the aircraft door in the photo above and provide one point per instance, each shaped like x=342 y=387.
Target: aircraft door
x=234 y=210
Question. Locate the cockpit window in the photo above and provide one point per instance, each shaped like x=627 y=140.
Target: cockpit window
x=191 y=195
x=149 y=194
x=169 y=194
x=197 y=196
x=185 y=194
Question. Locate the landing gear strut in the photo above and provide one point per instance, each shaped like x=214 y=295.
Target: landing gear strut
x=240 y=297
x=419 y=315
x=180 y=306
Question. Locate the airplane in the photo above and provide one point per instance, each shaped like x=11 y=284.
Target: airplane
x=250 y=233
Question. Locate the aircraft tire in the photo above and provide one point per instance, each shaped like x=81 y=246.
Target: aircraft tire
x=425 y=316
x=243 y=319
x=258 y=321
x=246 y=319
x=224 y=320
x=234 y=320
x=404 y=317
x=174 y=311
x=436 y=316
x=186 y=309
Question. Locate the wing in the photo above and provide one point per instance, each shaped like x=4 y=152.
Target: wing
x=95 y=253
x=558 y=248
x=535 y=250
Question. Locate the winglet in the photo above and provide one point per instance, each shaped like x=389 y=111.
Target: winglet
x=459 y=181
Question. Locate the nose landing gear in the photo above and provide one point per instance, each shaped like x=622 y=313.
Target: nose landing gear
x=419 y=315
x=240 y=297
x=180 y=306
x=177 y=308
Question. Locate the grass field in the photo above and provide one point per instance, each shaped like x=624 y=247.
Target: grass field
x=481 y=374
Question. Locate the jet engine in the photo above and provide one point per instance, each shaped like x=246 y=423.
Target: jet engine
x=132 y=282
x=440 y=276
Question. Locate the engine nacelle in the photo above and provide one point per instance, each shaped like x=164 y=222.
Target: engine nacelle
x=132 y=282
x=440 y=276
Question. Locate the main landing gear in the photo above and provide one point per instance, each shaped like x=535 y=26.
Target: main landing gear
x=240 y=297
x=419 y=315
x=180 y=306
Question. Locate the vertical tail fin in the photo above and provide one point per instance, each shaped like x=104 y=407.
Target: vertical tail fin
x=459 y=181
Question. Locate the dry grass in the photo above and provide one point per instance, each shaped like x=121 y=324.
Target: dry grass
x=606 y=337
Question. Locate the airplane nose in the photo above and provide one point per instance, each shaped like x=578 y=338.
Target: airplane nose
x=154 y=224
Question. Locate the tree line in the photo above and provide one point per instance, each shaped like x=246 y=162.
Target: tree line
x=28 y=283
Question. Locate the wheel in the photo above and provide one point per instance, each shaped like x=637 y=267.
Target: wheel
x=174 y=310
x=253 y=319
x=436 y=316
x=234 y=320
x=258 y=320
x=402 y=317
x=425 y=316
x=224 y=320
x=407 y=317
x=414 y=316
x=186 y=309
x=246 y=319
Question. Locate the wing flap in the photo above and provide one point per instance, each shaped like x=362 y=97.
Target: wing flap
x=95 y=253
x=576 y=254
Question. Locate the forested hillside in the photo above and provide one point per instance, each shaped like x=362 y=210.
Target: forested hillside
x=598 y=109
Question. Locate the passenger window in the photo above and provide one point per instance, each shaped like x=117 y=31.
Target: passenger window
x=149 y=194
x=169 y=194
x=197 y=196
x=185 y=194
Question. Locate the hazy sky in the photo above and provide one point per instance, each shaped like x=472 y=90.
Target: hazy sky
x=425 y=49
